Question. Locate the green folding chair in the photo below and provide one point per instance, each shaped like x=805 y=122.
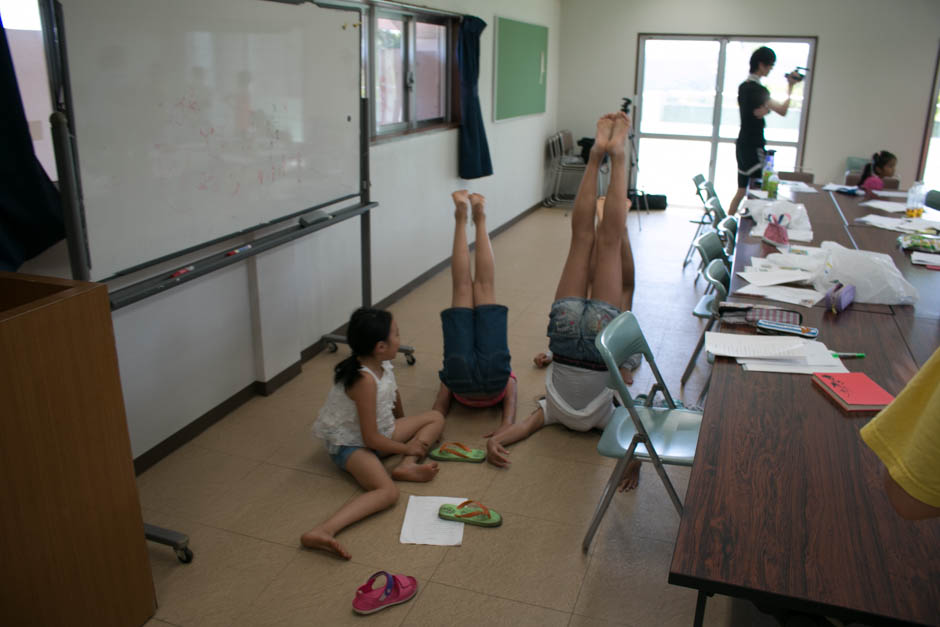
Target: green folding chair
x=719 y=278
x=660 y=435
x=709 y=247
x=704 y=220
x=728 y=232
x=933 y=199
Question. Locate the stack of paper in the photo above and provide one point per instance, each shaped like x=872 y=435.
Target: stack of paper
x=902 y=225
x=799 y=186
x=925 y=259
x=890 y=193
x=776 y=276
x=885 y=205
x=794 y=295
x=760 y=353
x=835 y=187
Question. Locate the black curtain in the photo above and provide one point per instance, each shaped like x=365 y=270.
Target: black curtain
x=474 y=153
x=30 y=210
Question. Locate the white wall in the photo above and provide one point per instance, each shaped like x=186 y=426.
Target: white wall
x=185 y=351
x=872 y=80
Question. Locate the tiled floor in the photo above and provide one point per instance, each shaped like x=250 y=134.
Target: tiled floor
x=247 y=488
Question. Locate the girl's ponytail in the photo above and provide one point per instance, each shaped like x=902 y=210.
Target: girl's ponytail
x=868 y=170
x=367 y=327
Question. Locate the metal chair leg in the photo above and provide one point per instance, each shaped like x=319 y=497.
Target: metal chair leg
x=608 y=494
x=698 y=349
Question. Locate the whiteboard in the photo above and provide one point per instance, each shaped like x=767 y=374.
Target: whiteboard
x=195 y=119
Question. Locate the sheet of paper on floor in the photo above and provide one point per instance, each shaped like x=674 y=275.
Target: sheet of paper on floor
x=793 y=295
x=422 y=525
x=890 y=193
x=885 y=205
x=925 y=259
x=777 y=276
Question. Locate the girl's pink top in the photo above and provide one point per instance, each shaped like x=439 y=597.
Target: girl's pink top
x=873 y=182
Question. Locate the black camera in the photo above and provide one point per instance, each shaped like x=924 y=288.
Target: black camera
x=797 y=75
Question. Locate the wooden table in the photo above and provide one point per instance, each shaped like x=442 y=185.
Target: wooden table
x=785 y=503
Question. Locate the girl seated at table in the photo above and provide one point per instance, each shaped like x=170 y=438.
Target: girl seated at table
x=881 y=166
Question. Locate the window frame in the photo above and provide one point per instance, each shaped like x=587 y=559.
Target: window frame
x=932 y=115
x=410 y=17
x=715 y=139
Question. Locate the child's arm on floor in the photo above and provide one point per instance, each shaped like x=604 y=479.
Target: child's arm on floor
x=496 y=454
x=509 y=409
x=363 y=393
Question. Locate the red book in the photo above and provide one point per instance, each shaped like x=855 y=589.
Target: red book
x=853 y=391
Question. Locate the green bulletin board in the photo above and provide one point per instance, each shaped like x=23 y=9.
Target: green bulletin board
x=521 y=71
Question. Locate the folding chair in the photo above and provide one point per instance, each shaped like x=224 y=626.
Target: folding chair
x=560 y=146
x=805 y=177
x=719 y=278
x=661 y=435
x=706 y=218
x=709 y=247
x=728 y=232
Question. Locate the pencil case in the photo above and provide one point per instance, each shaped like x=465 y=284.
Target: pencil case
x=839 y=297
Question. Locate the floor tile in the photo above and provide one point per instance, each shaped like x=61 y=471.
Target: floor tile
x=446 y=605
x=228 y=571
x=525 y=559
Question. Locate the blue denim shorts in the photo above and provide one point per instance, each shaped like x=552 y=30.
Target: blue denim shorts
x=341 y=456
x=574 y=323
x=476 y=350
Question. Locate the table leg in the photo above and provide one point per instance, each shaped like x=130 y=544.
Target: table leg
x=700 y=609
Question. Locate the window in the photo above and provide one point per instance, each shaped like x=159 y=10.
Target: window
x=413 y=69
x=688 y=117
x=930 y=158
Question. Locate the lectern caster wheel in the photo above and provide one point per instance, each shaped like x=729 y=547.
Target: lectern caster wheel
x=331 y=347
x=185 y=555
x=410 y=358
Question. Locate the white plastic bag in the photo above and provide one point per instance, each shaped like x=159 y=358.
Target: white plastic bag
x=875 y=277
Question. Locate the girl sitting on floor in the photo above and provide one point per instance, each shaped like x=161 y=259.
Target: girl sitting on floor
x=363 y=419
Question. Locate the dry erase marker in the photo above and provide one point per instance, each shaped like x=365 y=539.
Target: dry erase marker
x=182 y=271
x=849 y=355
x=238 y=250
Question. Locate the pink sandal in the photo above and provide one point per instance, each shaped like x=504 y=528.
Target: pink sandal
x=398 y=589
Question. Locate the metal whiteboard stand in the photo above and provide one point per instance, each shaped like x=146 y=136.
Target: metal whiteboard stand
x=332 y=340
x=634 y=165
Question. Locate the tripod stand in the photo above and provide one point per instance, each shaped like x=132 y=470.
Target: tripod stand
x=634 y=167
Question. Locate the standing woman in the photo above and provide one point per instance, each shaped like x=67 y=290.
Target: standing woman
x=755 y=102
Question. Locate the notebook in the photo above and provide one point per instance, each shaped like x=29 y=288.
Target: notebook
x=854 y=392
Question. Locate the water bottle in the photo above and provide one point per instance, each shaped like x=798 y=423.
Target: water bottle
x=916 y=196
x=768 y=169
x=773 y=181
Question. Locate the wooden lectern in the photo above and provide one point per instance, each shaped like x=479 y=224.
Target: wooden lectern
x=71 y=534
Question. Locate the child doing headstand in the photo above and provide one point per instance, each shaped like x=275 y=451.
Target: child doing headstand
x=476 y=368
x=576 y=392
x=881 y=166
x=362 y=419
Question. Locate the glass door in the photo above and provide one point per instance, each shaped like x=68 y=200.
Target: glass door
x=930 y=161
x=688 y=114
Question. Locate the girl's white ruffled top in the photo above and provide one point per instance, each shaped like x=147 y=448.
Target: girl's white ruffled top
x=338 y=421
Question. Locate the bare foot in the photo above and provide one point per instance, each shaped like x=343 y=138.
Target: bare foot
x=316 y=538
x=420 y=473
x=631 y=476
x=442 y=402
x=602 y=137
x=618 y=136
x=461 y=201
x=627 y=375
x=478 y=206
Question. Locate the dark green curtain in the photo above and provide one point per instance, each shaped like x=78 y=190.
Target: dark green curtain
x=474 y=153
x=30 y=210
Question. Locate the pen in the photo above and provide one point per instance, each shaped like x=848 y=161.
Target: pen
x=238 y=250
x=849 y=355
x=182 y=271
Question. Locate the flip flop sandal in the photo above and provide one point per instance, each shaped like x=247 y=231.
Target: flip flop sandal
x=398 y=589
x=457 y=452
x=472 y=513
